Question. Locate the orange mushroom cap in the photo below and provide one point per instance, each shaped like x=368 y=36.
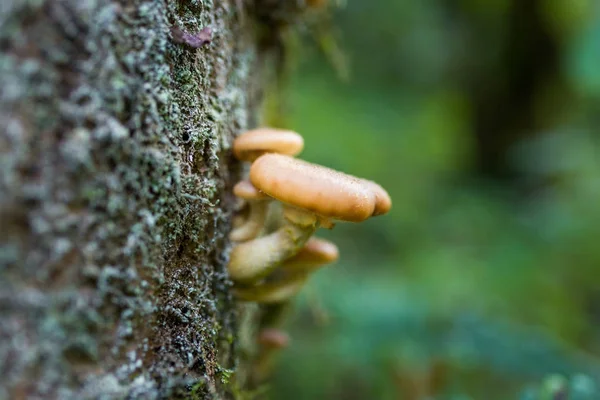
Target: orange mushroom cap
x=323 y=191
x=252 y=144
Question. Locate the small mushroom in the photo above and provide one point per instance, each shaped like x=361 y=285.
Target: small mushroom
x=309 y=193
x=289 y=279
x=252 y=144
x=258 y=206
x=271 y=341
x=273 y=338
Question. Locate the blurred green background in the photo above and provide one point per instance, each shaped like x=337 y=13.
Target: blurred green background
x=481 y=119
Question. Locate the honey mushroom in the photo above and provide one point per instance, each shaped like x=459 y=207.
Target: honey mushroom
x=247 y=147
x=290 y=277
x=310 y=193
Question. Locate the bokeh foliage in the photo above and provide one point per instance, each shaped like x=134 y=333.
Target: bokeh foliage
x=481 y=119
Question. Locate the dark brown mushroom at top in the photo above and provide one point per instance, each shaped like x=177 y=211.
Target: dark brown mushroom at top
x=309 y=193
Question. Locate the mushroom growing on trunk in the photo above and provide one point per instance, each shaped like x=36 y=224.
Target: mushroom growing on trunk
x=309 y=193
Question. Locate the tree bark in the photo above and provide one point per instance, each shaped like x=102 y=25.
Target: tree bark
x=115 y=203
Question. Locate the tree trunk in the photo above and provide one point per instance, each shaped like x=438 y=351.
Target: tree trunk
x=115 y=203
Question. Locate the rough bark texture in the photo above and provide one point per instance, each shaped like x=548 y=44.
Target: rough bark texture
x=114 y=196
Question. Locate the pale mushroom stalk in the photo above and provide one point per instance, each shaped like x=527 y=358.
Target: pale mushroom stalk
x=252 y=260
x=238 y=220
x=253 y=224
x=258 y=206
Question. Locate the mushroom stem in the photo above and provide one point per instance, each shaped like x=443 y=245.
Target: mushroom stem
x=241 y=214
x=254 y=223
x=252 y=260
x=238 y=221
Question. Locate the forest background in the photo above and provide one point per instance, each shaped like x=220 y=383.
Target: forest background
x=481 y=119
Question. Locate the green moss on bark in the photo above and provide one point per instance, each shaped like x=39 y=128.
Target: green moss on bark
x=114 y=206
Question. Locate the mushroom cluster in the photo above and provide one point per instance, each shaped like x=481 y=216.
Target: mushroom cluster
x=272 y=265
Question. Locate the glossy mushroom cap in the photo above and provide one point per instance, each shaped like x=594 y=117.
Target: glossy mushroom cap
x=383 y=201
x=321 y=190
x=246 y=190
x=252 y=144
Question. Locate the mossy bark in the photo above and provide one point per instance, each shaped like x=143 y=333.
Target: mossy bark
x=115 y=201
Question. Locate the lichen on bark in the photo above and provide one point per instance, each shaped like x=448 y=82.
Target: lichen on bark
x=115 y=175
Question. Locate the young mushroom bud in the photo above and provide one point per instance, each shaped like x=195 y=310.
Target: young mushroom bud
x=252 y=144
x=309 y=193
x=271 y=341
x=258 y=204
x=289 y=279
x=273 y=338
